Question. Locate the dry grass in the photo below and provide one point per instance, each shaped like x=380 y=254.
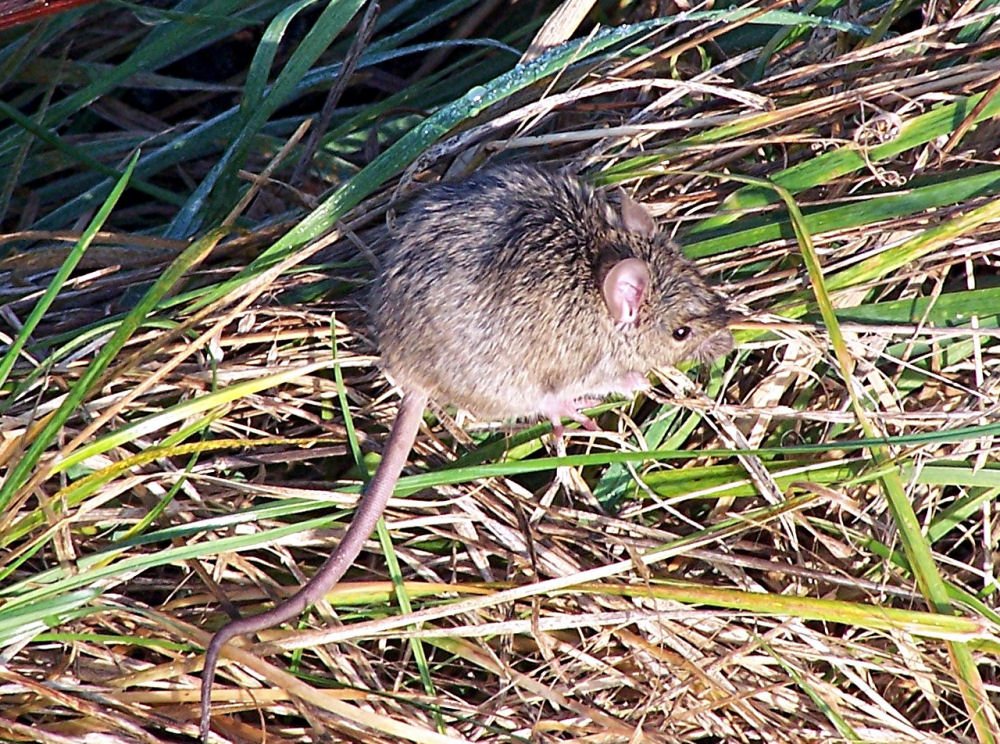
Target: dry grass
x=796 y=545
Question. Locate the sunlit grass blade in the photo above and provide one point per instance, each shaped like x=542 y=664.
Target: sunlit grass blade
x=915 y=543
x=59 y=280
x=41 y=438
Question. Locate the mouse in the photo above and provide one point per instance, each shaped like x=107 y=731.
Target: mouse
x=516 y=293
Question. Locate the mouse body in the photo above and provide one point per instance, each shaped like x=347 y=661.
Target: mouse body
x=516 y=293
x=519 y=292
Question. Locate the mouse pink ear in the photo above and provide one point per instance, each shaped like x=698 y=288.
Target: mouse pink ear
x=635 y=217
x=624 y=287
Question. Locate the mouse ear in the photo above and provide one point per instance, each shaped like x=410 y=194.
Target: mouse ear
x=624 y=287
x=635 y=217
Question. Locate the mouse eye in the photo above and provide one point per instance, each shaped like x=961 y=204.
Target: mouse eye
x=681 y=333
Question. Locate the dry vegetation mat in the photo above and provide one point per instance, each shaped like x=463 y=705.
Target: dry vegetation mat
x=794 y=544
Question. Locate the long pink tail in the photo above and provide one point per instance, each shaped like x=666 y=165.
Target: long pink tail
x=369 y=510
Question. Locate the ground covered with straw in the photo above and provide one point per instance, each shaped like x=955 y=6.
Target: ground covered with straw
x=794 y=544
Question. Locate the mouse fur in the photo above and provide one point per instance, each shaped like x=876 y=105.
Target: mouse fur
x=490 y=297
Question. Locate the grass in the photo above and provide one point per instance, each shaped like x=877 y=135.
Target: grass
x=795 y=544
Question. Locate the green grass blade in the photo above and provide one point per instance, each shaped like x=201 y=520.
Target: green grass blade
x=19 y=473
x=915 y=544
x=56 y=285
x=205 y=203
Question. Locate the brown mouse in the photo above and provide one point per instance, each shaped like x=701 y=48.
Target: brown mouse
x=515 y=293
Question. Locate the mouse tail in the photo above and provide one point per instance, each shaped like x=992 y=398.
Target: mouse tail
x=369 y=510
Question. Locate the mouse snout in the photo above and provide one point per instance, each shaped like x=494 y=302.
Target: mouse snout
x=717 y=345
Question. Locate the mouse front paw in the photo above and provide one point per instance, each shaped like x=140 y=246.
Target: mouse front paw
x=633 y=382
x=556 y=409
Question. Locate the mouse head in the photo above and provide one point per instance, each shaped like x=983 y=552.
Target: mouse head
x=661 y=299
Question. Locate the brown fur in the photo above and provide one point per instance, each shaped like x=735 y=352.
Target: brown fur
x=490 y=296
